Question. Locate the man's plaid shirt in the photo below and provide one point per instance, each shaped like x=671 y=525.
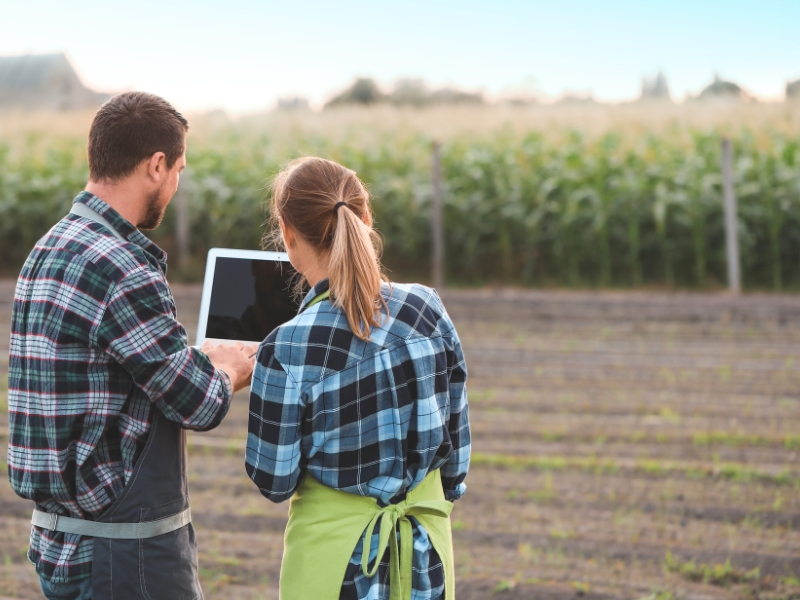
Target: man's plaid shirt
x=371 y=418
x=95 y=348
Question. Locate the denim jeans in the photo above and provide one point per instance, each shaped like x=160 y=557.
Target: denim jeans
x=74 y=590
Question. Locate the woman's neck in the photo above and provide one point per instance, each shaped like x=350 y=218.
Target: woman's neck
x=314 y=274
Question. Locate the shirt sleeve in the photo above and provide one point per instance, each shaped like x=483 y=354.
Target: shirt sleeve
x=140 y=331
x=454 y=471
x=273 y=456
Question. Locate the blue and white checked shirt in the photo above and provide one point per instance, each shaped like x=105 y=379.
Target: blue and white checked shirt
x=371 y=418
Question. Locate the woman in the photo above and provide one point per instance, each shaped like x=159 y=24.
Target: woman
x=358 y=408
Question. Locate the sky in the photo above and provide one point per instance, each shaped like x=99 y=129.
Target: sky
x=242 y=56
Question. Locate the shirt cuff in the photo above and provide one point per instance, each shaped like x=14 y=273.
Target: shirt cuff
x=453 y=495
x=226 y=390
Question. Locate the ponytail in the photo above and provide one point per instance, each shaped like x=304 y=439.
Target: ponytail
x=354 y=272
x=329 y=207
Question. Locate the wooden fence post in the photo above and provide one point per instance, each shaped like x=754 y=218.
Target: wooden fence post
x=182 y=223
x=731 y=220
x=436 y=219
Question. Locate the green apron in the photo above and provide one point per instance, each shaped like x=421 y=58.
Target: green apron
x=326 y=524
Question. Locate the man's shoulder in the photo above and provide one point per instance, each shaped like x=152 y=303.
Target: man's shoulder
x=78 y=243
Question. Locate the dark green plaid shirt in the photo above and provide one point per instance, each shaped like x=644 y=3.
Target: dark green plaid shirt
x=96 y=347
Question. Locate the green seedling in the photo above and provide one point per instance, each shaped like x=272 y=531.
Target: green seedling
x=480 y=396
x=581 y=586
x=723 y=575
x=659 y=595
x=722 y=470
x=214 y=579
x=546 y=493
x=553 y=436
x=787 y=403
x=792 y=442
x=505 y=585
x=669 y=415
x=560 y=534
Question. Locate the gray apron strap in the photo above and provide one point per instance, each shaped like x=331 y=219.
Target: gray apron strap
x=80 y=209
x=114 y=531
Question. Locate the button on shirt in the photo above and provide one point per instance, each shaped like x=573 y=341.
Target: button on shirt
x=95 y=348
x=371 y=418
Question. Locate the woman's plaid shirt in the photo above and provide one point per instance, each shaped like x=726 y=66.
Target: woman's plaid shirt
x=371 y=418
x=95 y=348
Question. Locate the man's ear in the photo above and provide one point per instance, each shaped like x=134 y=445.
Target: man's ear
x=157 y=166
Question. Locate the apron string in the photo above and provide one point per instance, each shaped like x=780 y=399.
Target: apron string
x=400 y=573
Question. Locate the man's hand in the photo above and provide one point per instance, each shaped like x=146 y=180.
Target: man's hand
x=237 y=360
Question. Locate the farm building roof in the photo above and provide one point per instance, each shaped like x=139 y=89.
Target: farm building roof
x=29 y=70
x=43 y=81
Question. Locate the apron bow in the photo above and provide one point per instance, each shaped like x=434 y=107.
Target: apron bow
x=400 y=566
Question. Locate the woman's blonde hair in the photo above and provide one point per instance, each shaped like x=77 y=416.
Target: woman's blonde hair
x=329 y=207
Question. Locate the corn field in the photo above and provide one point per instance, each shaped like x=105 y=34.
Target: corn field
x=522 y=206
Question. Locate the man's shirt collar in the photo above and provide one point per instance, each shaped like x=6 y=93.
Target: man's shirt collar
x=123 y=227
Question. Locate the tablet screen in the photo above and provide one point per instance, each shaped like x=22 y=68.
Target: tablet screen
x=249 y=298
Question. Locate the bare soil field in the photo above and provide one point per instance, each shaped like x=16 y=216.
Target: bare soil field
x=626 y=445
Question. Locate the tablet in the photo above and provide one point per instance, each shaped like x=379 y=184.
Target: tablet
x=246 y=294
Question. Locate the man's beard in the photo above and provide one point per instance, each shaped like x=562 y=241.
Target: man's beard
x=154 y=212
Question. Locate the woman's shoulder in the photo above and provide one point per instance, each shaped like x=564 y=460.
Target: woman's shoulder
x=415 y=294
x=415 y=306
x=414 y=310
x=309 y=345
x=297 y=329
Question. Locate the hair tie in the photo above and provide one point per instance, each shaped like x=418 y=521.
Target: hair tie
x=337 y=205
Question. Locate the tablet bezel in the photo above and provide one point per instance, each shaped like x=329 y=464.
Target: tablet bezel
x=208 y=281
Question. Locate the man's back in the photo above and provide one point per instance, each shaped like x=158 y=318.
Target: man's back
x=102 y=381
x=94 y=344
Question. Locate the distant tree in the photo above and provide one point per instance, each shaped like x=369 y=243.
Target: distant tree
x=793 y=90
x=363 y=91
x=414 y=92
x=293 y=103
x=447 y=95
x=410 y=92
x=719 y=88
x=525 y=93
x=572 y=98
x=655 y=88
x=406 y=92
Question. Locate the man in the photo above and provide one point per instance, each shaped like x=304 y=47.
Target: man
x=102 y=381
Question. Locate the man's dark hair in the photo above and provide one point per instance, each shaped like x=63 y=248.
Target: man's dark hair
x=129 y=129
